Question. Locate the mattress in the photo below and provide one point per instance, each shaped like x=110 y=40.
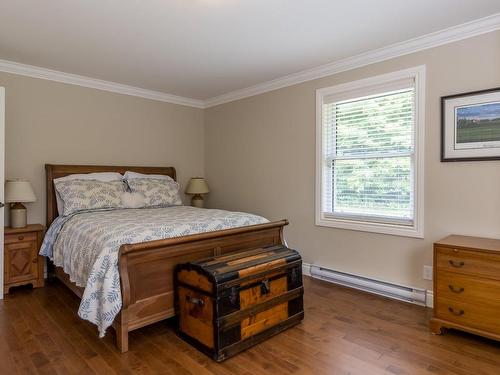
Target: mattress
x=86 y=246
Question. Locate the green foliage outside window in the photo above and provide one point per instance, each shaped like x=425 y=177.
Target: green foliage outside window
x=371 y=146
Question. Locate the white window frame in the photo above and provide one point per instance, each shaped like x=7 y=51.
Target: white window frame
x=373 y=84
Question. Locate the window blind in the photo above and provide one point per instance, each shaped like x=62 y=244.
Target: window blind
x=369 y=154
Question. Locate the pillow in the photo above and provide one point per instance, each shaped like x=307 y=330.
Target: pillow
x=131 y=175
x=133 y=200
x=99 y=176
x=157 y=193
x=79 y=195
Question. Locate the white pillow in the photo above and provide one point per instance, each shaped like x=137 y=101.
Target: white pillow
x=133 y=200
x=131 y=175
x=98 y=176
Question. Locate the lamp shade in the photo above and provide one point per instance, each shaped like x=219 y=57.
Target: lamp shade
x=197 y=185
x=19 y=191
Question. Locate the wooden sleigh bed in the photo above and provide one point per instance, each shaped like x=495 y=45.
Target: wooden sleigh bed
x=146 y=269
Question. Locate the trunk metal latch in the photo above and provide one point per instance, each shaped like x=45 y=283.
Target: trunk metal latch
x=264 y=287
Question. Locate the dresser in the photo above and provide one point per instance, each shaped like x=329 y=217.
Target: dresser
x=467 y=285
x=22 y=264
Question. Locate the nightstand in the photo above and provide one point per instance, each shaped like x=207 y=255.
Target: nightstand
x=22 y=264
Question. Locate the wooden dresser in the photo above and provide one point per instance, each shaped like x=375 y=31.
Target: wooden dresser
x=22 y=264
x=467 y=285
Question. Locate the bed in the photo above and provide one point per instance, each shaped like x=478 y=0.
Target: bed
x=146 y=268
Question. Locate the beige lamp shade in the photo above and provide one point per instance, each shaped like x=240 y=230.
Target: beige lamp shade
x=19 y=191
x=197 y=185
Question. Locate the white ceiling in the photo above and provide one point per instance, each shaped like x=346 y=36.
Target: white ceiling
x=204 y=48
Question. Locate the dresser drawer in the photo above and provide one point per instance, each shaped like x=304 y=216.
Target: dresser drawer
x=469 y=289
x=21 y=237
x=468 y=262
x=479 y=316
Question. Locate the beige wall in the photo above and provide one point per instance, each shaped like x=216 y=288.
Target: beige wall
x=259 y=154
x=49 y=122
x=260 y=157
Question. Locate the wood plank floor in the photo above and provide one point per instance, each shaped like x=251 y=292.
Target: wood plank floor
x=345 y=332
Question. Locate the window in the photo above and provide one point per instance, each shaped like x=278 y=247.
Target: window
x=370 y=154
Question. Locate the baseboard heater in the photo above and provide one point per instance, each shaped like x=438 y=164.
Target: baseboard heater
x=402 y=293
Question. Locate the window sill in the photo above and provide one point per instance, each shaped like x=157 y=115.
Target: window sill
x=373 y=227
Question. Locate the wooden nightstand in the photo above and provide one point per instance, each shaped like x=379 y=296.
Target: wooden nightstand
x=22 y=264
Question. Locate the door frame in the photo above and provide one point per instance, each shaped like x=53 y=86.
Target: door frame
x=2 y=183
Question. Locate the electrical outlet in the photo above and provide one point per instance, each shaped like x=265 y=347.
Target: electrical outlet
x=427 y=272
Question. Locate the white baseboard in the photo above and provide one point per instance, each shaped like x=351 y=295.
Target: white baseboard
x=429 y=299
x=306 y=269
x=429 y=296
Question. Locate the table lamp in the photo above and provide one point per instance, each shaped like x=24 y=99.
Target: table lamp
x=18 y=192
x=197 y=186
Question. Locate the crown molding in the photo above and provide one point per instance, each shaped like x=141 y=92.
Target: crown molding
x=435 y=39
x=73 y=79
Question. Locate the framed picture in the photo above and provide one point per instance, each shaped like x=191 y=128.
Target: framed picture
x=470 y=126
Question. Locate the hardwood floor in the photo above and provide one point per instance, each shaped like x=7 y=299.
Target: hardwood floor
x=344 y=332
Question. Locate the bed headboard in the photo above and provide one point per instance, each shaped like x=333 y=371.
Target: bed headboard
x=53 y=171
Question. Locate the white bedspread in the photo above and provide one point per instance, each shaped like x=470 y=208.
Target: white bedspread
x=86 y=246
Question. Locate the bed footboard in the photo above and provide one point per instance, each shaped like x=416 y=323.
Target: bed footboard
x=146 y=270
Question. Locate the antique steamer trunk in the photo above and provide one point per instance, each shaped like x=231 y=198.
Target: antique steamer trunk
x=225 y=304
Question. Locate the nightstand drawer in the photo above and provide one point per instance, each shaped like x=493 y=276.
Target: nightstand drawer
x=468 y=262
x=21 y=260
x=477 y=316
x=20 y=237
x=468 y=289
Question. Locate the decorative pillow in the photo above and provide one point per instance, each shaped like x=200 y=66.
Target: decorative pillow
x=99 y=176
x=133 y=200
x=131 y=175
x=79 y=195
x=157 y=193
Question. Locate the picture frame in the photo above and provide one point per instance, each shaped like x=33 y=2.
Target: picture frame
x=470 y=126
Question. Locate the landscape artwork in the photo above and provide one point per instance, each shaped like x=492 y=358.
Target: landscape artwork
x=478 y=123
x=470 y=126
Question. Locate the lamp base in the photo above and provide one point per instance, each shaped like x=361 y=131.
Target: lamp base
x=17 y=215
x=197 y=201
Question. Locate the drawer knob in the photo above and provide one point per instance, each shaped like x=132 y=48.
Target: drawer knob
x=20 y=238
x=456 y=264
x=34 y=260
x=456 y=290
x=456 y=312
